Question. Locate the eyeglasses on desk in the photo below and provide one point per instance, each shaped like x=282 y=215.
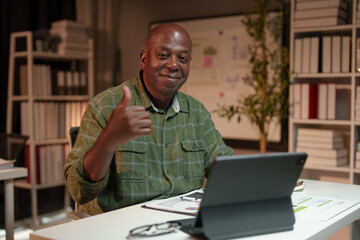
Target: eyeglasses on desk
x=153 y=230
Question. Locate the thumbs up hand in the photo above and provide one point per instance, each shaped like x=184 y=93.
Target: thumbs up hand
x=127 y=122
x=124 y=102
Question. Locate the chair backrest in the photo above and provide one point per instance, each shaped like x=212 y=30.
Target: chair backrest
x=73 y=132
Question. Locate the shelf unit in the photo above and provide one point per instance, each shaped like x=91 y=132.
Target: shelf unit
x=27 y=56
x=348 y=173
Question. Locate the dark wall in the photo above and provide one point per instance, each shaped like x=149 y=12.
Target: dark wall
x=25 y=15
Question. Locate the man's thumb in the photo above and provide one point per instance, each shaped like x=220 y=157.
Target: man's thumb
x=126 y=98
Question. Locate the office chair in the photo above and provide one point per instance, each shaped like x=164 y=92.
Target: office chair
x=73 y=132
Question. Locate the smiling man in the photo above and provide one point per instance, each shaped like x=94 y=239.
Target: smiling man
x=143 y=139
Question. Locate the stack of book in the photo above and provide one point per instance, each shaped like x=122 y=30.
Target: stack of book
x=358 y=12
x=307 y=55
x=357 y=54
x=324 y=147
x=326 y=101
x=49 y=163
x=42 y=83
x=357 y=156
x=357 y=159
x=53 y=81
x=357 y=104
x=320 y=13
x=71 y=82
x=73 y=37
x=333 y=52
x=52 y=119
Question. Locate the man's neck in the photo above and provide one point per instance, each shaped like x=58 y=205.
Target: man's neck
x=161 y=104
x=159 y=101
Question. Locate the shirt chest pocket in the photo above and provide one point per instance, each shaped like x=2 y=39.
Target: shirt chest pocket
x=193 y=158
x=130 y=161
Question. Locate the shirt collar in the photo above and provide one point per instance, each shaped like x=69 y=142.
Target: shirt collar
x=175 y=105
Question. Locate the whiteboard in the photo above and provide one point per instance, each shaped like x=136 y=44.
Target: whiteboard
x=220 y=61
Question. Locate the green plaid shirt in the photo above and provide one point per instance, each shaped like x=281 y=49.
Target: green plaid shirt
x=170 y=161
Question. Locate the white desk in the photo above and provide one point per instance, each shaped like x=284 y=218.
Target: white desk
x=8 y=176
x=116 y=224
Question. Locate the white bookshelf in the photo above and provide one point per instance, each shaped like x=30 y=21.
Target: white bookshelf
x=347 y=173
x=30 y=57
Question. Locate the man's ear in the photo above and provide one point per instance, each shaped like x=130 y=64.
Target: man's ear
x=142 y=59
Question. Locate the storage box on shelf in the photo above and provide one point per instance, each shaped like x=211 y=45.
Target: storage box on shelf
x=47 y=93
x=323 y=92
x=357 y=144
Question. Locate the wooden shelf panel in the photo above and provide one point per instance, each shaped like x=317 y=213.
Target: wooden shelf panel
x=68 y=98
x=51 y=141
x=345 y=27
x=50 y=55
x=343 y=169
x=322 y=122
x=22 y=183
x=322 y=75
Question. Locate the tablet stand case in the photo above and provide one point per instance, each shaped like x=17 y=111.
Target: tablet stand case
x=249 y=195
x=246 y=219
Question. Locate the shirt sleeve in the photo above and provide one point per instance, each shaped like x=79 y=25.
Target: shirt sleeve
x=82 y=190
x=214 y=142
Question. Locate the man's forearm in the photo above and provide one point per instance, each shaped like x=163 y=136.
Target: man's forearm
x=97 y=160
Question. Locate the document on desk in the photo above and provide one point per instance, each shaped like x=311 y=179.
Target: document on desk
x=319 y=208
x=188 y=203
x=179 y=204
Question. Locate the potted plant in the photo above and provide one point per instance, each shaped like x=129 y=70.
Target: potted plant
x=269 y=99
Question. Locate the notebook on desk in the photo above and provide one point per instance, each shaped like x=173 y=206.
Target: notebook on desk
x=247 y=195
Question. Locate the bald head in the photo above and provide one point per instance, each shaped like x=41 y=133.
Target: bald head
x=165 y=29
x=165 y=62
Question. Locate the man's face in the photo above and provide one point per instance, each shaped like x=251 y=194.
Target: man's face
x=166 y=63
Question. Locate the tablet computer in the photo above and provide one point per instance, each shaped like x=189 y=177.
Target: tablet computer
x=247 y=195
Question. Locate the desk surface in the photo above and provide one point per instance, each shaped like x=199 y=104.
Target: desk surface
x=116 y=224
x=11 y=173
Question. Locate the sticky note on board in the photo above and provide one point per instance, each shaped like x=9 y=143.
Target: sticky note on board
x=208 y=62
